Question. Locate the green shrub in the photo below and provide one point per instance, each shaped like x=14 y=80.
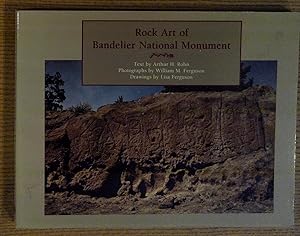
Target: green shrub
x=81 y=108
x=119 y=100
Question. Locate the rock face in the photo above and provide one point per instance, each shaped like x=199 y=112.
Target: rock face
x=190 y=152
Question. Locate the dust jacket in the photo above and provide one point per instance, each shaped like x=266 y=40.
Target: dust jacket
x=155 y=119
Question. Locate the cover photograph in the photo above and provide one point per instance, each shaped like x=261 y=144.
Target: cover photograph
x=156 y=119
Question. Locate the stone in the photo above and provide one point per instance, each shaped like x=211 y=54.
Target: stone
x=214 y=148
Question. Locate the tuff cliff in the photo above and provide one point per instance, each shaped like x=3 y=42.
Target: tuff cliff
x=171 y=152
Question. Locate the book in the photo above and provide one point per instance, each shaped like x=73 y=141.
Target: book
x=155 y=119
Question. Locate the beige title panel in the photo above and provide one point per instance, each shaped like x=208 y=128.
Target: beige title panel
x=161 y=52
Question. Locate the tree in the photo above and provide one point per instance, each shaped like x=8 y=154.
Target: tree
x=54 y=93
x=245 y=81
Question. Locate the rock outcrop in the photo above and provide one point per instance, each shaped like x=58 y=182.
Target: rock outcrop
x=188 y=152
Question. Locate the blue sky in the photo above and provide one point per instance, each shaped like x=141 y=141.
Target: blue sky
x=96 y=96
x=263 y=73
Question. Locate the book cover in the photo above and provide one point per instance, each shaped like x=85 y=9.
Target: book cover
x=155 y=119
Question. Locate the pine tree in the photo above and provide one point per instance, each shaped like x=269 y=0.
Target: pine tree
x=245 y=81
x=54 y=93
